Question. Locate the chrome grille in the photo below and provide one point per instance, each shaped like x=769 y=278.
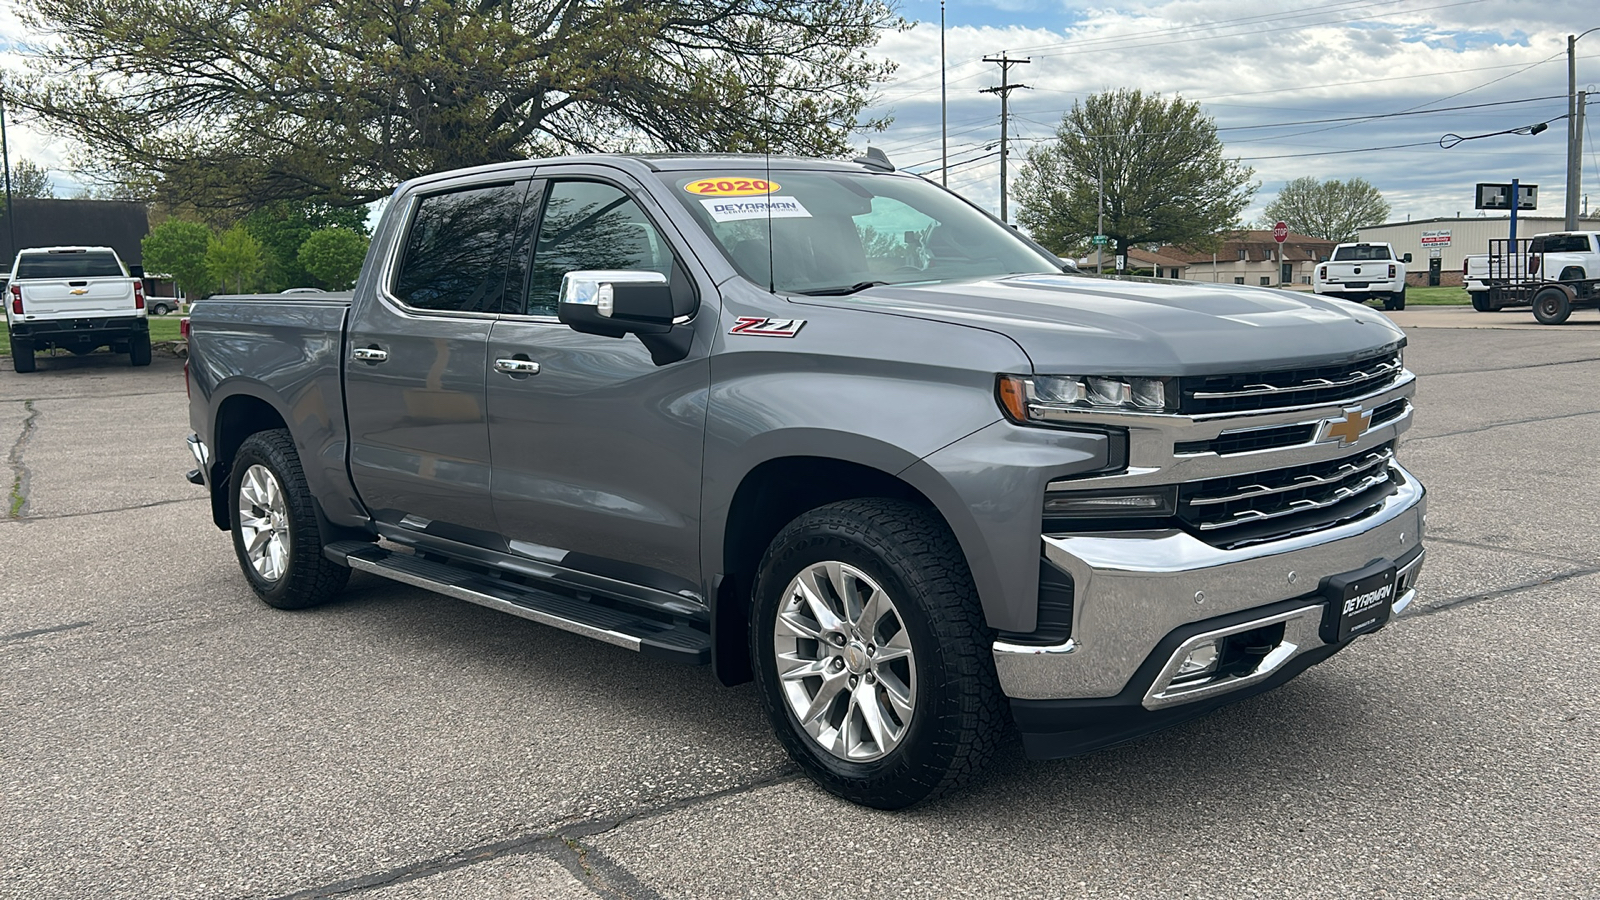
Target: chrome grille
x=1290 y=387
x=1264 y=506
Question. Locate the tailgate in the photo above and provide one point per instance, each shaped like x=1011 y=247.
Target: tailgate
x=76 y=298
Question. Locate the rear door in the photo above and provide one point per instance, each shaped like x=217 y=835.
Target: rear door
x=68 y=284
x=598 y=455
x=414 y=373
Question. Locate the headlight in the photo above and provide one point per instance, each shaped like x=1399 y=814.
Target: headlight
x=1034 y=399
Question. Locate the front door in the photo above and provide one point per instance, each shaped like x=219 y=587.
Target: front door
x=597 y=455
x=415 y=377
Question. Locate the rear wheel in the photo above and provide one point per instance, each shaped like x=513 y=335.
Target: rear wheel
x=159 y=309
x=274 y=524
x=22 y=356
x=139 y=350
x=1480 y=301
x=1396 y=300
x=1551 y=306
x=871 y=653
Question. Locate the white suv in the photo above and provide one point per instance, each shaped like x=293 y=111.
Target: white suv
x=1565 y=256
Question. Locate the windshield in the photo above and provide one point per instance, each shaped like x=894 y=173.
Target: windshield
x=76 y=264
x=815 y=232
x=1362 y=253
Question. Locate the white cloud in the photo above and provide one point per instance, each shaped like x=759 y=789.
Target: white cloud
x=1270 y=64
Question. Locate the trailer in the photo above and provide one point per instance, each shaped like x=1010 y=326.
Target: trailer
x=1513 y=281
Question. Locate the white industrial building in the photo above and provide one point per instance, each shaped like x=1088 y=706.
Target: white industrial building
x=1438 y=245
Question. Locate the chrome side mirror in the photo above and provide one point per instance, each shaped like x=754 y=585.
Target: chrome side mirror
x=615 y=302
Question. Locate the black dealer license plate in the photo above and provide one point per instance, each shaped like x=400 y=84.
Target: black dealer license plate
x=1358 y=602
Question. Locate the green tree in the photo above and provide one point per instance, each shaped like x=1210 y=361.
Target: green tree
x=179 y=248
x=1166 y=180
x=283 y=226
x=235 y=259
x=333 y=256
x=29 y=179
x=1331 y=210
x=237 y=104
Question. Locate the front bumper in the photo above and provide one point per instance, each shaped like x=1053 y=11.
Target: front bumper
x=1134 y=590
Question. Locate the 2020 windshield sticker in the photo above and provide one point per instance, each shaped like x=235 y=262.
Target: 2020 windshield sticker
x=762 y=326
x=732 y=187
x=756 y=208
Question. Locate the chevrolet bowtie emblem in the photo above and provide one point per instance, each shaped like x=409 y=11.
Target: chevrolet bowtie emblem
x=1348 y=429
x=78 y=292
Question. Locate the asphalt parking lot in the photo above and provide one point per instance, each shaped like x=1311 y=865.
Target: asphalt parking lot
x=164 y=734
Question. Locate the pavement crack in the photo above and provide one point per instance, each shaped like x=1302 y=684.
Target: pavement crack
x=100 y=512
x=1477 y=545
x=1482 y=428
x=1474 y=599
x=54 y=629
x=562 y=845
x=1538 y=365
x=19 y=470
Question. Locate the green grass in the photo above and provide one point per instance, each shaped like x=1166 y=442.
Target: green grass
x=162 y=328
x=1437 y=296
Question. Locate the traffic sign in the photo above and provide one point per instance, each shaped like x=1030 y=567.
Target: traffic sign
x=1498 y=196
x=1280 y=232
x=1099 y=240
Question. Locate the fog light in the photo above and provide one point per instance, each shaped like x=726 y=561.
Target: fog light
x=1202 y=660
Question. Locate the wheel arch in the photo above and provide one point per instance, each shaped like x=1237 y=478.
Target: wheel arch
x=239 y=414
x=769 y=496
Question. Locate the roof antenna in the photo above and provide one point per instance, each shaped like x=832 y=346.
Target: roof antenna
x=875 y=159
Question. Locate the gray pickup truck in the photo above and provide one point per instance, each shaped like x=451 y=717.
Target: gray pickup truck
x=828 y=426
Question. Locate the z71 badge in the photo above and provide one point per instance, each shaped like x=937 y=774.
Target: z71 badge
x=766 y=327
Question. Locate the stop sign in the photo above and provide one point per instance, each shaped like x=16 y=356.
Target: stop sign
x=1280 y=232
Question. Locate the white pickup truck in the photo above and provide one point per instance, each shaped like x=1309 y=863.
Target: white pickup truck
x=1565 y=256
x=1362 y=272
x=76 y=298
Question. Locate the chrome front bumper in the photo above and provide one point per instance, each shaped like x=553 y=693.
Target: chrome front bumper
x=1132 y=589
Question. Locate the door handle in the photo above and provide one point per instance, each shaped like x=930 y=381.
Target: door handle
x=516 y=366
x=369 y=354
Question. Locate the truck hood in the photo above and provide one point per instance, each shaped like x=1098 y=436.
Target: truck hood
x=1071 y=324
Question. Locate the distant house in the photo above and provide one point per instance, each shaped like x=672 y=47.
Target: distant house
x=118 y=224
x=1251 y=257
x=1159 y=264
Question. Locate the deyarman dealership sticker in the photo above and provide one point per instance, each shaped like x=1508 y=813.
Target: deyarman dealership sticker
x=732 y=187
x=755 y=208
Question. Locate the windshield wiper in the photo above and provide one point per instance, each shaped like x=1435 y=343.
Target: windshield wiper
x=843 y=291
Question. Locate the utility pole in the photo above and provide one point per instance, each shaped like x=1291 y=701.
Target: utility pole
x=1004 y=90
x=1574 y=159
x=1576 y=149
x=944 y=109
x=5 y=160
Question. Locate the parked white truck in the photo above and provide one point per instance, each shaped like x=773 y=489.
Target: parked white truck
x=1362 y=272
x=76 y=298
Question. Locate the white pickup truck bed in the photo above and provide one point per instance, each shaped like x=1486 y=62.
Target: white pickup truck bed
x=74 y=298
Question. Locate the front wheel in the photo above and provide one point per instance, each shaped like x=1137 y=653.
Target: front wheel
x=274 y=524
x=871 y=653
x=1551 y=306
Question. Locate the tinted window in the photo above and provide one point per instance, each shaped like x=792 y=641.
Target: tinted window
x=589 y=225
x=1361 y=253
x=1561 y=243
x=69 y=265
x=456 y=251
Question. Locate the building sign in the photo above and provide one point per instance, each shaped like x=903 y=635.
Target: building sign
x=1440 y=238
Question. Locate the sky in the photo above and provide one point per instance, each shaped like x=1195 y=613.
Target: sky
x=1265 y=71
x=1257 y=69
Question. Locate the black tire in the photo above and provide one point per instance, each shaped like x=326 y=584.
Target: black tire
x=1396 y=301
x=957 y=712
x=1551 y=306
x=22 y=356
x=307 y=578
x=1572 y=273
x=159 y=309
x=139 y=350
x=1480 y=301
